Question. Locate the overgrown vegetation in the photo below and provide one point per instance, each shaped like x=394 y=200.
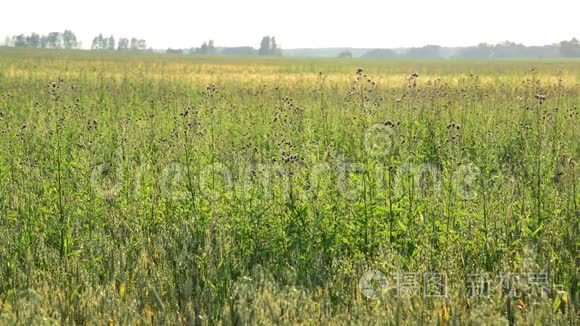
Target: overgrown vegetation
x=171 y=190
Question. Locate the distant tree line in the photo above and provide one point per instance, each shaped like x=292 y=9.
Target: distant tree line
x=268 y=47
x=207 y=48
x=483 y=50
x=210 y=49
x=570 y=48
x=345 y=54
x=68 y=40
x=54 y=40
x=125 y=44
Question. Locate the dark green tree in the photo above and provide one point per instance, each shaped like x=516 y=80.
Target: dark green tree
x=110 y=43
x=69 y=40
x=207 y=48
x=134 y=44
x=268 y=46
x=273 y=46
x=44 y=41
x=19 y=41
x=203 y=48
x=33 y=41
x=55 y=40
x=97 y=42
x=265 y=46
x=570 y=48
x=142 y=45
x=123 y=44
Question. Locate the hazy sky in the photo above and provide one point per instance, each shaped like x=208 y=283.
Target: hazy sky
x=300 y=23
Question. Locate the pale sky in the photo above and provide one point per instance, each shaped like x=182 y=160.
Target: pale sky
x=300 y=23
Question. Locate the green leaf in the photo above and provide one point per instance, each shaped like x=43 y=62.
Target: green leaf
x=536 y=231
x=556 y=304
x=401 y=225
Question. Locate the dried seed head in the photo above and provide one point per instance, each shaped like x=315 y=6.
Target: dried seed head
x=540 y=97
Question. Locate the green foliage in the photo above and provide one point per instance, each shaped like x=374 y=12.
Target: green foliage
x=138 y=188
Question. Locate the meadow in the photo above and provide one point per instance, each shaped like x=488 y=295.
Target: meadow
x=168 y=189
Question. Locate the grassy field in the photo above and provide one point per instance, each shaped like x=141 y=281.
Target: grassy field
x=159 y=189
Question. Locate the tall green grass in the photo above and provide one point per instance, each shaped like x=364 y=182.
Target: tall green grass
x=132 y=190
